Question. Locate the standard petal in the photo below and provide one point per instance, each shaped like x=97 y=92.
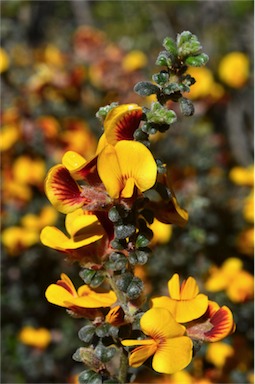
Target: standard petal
x=58 y=295
x=62 y=191
x=189 y=289
x=223 y=325
x=187 y=310
x=173 y=355
x=159 y=323
x=121 y=122
x=174 y=287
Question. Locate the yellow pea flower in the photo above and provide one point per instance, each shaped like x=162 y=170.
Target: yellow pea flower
x=126 y=165
x=134 y=60
x=185 y=302
x=234 y=69
x=64 y=294
x=237 y=283
x=218 y=353
x=35 y=337
x=83 y=229
x=171 y=350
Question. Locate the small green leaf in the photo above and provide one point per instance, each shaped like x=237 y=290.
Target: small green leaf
x=86 y=333
x=146 y=88
x=170 y=45
x=197 y=61
x=160 y=78
x=164 y=59
x=186 y=106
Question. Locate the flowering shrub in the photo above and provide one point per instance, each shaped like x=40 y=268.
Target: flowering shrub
x=110 y=200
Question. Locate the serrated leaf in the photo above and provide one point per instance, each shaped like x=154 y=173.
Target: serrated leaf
x=146 y=88
x=197 y=61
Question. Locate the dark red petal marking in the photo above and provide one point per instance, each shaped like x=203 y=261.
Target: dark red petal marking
x=222 y=322
x=64 y=285
x=127 y=125
x=64 y=188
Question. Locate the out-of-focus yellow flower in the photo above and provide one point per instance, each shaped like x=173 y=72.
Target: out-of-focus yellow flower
x=248 y=209
x=205 y=85
x=165 y=338
x=134 y=60
x=53 y=56
x=161 y=232
x=29 y=171
x=78 y=137
x=185 y=302
x=49 y=125
x=16 y=239
x=217 y=353
x=47 y=216
x=242 y=176
x=121 y=173
x=35 y=337
x=234 y=69
x=9 y=135
x=4 y=60
x=245 y=241
x=237 y=283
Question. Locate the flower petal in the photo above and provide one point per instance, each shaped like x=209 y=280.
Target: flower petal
x=223 y=325
x=88 y=298
x=62 y=191
x=81 y=225
x=140 y=354
x=66 y=283
x=58 y=295
x=121 y=122
x=173 y=355
x=141 y=166
x=189 y=289
x=174 y=287
x=159 y=323
x=73 y=161
x=109 y=171
x=52 y=237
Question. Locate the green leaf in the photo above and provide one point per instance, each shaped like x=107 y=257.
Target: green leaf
x=146 y=88
x=170 y=45
x=86 y=333
x=160 y=115
x=160 y=78
x=186 y=106
x=188 y=44
x=164 y=59
x=197 y=61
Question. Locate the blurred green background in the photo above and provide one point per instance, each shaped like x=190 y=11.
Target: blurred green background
x=60 y=62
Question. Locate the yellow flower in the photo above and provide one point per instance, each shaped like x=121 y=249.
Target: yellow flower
x=245 y=241
x=29 y=171
x=248 y=209
x=9 y=135
x=185 y=302
x=134 y=60
x=242 y=176
x=16 y=239
x=171 y=350
x=120 y=124
x=4 y=60
x=84 y=230
x=126 y=165
x=234 y=69
x=218 y=353
x=161 y=232
x=47 y=216
x=35 y=337
x=237 y=283
x=64 y=294
x=205 y=85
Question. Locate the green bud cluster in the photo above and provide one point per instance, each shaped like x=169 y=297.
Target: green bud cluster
x=171 y=83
